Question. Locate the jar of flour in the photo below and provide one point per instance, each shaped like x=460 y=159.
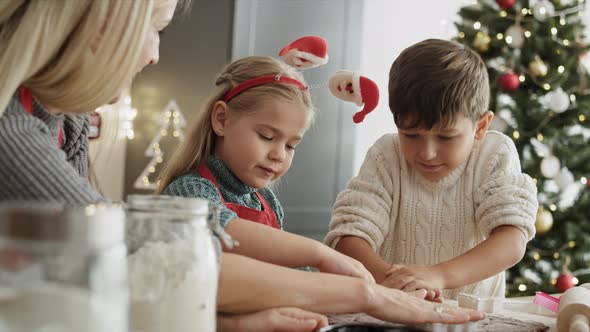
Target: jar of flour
x=62 y=269
x=172 y=263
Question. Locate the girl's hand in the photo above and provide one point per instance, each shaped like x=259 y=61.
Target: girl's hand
x=414 y=277
x=401 y=307
x=331 y=261
x=273 y=320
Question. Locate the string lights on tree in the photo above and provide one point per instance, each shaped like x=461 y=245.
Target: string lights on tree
x=171 y=115
x=538 y=65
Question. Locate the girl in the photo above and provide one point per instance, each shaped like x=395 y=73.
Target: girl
x=244 y=140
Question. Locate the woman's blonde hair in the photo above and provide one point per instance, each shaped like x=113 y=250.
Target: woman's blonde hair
x=199 y=143
x=74 y=55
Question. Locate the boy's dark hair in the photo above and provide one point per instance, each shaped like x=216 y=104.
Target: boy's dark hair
x=433 y=81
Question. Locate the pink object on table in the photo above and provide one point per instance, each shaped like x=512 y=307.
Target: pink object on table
x=546 y=301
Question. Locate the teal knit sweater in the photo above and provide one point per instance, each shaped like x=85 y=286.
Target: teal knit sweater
x=232 y=189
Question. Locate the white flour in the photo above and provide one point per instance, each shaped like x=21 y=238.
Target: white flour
x=172 y=289
x=51 y=307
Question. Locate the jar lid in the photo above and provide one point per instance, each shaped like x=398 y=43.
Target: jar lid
x=90 y=227
x=168 y=204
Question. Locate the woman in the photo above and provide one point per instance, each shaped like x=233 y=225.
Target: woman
x=60 y=61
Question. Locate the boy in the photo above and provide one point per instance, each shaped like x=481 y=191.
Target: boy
x=443 y=204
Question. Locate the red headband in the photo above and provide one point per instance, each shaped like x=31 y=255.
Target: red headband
x=259 y=81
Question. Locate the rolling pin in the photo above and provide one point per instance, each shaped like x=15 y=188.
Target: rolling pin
x=574 y=310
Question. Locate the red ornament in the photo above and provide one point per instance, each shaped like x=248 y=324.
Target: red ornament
x=505 y=4
x=509 y=82
x=564 y=282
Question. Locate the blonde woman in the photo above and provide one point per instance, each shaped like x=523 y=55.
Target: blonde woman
x=62 y=59
x=59 y=60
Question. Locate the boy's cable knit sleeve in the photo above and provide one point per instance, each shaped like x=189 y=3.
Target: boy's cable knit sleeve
x=504 y=195
x=364 y=208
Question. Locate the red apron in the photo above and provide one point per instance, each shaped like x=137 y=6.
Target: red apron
x=266 y=217
x=26 y=99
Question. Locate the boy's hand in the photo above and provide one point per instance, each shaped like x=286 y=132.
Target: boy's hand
x=413 y=277
x=331 y=261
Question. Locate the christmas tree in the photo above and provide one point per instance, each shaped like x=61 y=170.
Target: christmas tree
x=538 y=66
x=171 y=113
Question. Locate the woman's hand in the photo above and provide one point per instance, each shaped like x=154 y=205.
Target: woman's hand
x=401 y=307
x=273 y=320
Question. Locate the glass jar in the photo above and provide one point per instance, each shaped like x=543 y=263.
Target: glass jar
x=172 y=263
x=63 y=269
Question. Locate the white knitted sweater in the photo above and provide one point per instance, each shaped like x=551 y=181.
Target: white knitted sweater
x=408 y=219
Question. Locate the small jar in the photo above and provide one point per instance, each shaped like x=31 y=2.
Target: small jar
x=172 y=263
x=63 y=269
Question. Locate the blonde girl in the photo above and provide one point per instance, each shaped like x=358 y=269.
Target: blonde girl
x=244 y=139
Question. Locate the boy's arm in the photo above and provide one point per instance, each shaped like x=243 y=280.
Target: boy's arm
x=483 y=261
x=360 y=250
x=365 y=212
x=505 y=204
x=486 y=259
x=505 y=208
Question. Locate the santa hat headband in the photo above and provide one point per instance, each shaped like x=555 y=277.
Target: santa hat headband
x=352 y=87
x=267 y=79
x=306 y=52
x=312 y=51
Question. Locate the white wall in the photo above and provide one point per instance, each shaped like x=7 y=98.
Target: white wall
x=389 y=27
x=323 y=163
x=107 y=153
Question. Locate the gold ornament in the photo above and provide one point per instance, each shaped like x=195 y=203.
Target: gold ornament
x=544 y=221
x=537 y=67
x=482 y=42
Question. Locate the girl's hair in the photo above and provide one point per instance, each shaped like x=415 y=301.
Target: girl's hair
x=198 y=144
x=74 y=55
